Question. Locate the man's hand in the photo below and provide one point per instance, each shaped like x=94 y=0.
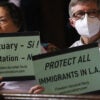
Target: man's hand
x=1 y=84
x=36 y=89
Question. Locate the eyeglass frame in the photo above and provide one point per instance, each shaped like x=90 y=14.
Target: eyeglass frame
x=97 y=12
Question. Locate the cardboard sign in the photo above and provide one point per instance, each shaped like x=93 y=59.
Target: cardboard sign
x=16 y=51
x=71 y=71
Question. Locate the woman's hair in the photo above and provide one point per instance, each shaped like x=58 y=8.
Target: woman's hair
x=15 y=13
x=75 y=2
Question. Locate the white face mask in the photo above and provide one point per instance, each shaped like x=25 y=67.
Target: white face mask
x=87 y=26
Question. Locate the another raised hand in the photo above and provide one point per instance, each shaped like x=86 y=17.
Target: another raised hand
x=37 y=89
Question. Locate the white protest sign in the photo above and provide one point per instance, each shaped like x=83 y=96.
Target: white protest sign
x=70 y=71
x=16 y=51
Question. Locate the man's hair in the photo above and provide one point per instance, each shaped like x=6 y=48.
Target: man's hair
x=14 y=12
x=75 y=2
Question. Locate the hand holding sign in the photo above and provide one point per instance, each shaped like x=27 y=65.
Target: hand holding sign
x=1 y=84
x=36 y=89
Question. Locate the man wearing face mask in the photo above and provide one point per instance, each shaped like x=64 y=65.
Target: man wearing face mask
x=85 y=18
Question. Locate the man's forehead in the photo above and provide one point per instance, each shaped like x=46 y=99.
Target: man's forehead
x=84 y=6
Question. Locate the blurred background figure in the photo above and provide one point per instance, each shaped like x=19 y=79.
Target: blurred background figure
x=11 y=18
x=30 y=11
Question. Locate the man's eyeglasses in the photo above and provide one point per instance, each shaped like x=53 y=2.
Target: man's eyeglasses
x=91 y=13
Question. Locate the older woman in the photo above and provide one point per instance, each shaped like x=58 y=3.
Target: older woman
x=11 y=18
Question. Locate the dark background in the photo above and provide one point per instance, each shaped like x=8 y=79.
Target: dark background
x=50 y=17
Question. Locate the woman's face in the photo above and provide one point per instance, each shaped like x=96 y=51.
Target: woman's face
x=6 y=23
